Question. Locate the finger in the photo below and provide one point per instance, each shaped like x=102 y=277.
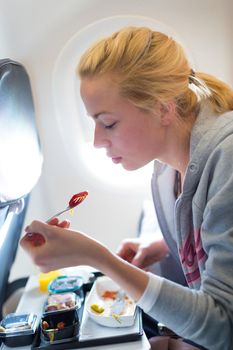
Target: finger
x=40 y=227
x=120 y=251
x=125 y=245
x=53 y=221
x=64 y=224
x=32 y=240
x=125 y=253
x=128 y=257
x=138 y=259
x=36 y=239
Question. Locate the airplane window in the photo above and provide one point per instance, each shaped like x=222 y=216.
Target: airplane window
x=75 y=128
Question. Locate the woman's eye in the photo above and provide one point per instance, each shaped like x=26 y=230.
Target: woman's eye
x=110 y=126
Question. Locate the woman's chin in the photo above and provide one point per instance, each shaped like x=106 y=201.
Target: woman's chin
x=130 y=167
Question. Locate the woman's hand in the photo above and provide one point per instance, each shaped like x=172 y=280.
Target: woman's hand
x=52 y=246
x=60 y=247
x=37 y=239
x=142 y=252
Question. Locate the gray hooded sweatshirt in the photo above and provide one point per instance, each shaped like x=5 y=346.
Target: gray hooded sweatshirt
x=198 y=228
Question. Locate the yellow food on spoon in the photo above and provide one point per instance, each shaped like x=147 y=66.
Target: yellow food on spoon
x=97 y=308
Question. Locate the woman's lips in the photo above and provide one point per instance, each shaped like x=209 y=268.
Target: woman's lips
x=116 y=160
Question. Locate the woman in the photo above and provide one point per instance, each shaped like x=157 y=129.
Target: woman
x=148 y=104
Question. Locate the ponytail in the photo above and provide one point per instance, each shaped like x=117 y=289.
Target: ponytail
x=221 y=94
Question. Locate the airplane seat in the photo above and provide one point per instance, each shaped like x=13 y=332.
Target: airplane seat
x=11 y=225
x=20 y=166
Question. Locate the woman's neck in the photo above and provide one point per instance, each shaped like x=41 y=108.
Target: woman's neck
x=178 y=155
x=178 y=146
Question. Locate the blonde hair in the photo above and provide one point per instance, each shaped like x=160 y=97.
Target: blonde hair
x=150 y=67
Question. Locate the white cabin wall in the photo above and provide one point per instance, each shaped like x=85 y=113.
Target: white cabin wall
x=34 y=33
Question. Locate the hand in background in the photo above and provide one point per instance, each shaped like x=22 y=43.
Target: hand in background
x=142 y=252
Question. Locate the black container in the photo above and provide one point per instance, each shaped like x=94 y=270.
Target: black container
x=60 y=326
x=19 y=329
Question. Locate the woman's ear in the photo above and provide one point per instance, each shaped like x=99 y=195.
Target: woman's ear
x=168 y=113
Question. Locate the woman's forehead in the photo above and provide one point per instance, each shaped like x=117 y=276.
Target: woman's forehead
x=98 y=87
x=99 y=94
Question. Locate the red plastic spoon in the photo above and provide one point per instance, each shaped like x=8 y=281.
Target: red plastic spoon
x=37 y=239
x=75 y=200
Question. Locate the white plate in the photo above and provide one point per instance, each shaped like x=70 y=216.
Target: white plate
x=126 y=317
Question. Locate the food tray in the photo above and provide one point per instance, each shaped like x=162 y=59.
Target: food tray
x=93 y=334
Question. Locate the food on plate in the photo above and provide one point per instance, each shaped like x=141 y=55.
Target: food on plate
x=97 y=308
x=110 y=294
x=116 y=317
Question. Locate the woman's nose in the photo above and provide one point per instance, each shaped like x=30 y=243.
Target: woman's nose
x=100 y=140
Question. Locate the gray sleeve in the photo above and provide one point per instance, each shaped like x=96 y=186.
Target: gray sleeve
x=193 y=315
